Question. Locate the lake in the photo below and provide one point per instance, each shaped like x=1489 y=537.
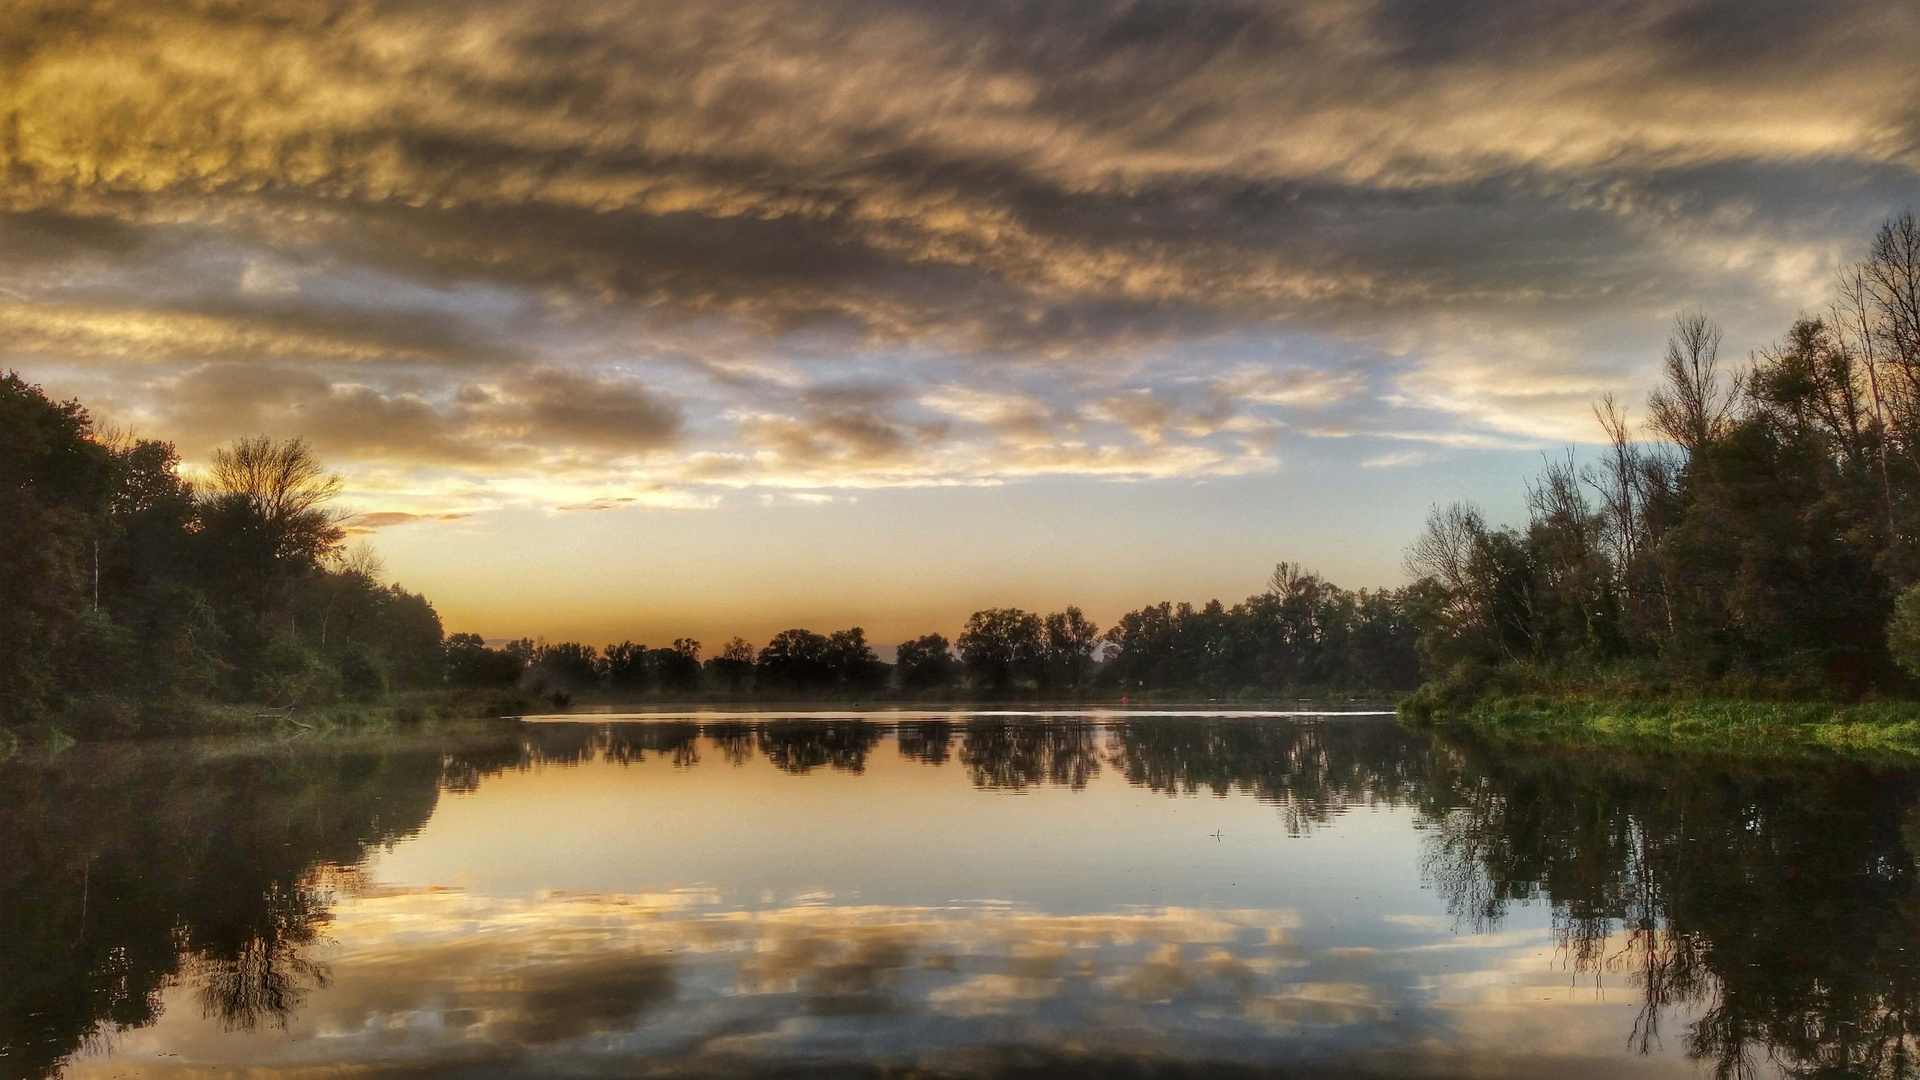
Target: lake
x=949 y=895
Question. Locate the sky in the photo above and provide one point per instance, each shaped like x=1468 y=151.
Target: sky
x=658 y=318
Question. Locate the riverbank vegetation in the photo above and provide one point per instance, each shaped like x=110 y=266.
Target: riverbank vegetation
x=135 y=600
x=1747 y=727
x=1763 y=549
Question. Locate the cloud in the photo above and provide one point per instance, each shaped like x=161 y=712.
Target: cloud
x=519 y=418
x=1026 y=418
x=562 y=237
x=555 y=405
x=371 y=522
x=374 y=521
x=1397 y=459
x=1140 y=167
x=846 y=426
x=580 y=982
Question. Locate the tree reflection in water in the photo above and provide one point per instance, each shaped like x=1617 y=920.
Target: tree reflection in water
x=124 y=869
x=1778 y=903
x=1012 y=756
x=927 y=741
x=733 y=739
x=263 y=981
x=797 y=746
x=1773 y=904
x=1311 y=771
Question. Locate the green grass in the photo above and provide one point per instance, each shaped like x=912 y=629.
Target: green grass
x=1867 y=729
x=396 y=710
x=105 y=717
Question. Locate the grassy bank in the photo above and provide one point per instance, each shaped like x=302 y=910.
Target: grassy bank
x=1866 y=729
x=102 y=717
x=398 y=710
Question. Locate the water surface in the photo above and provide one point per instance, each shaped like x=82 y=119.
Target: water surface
x=965 y=895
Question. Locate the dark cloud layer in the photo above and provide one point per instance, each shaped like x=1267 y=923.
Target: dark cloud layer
x=527 y=222
x=546 y=409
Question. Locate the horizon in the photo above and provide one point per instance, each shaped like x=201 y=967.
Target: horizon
x=628 y=321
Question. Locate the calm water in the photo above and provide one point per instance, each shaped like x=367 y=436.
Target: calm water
x=985 y=895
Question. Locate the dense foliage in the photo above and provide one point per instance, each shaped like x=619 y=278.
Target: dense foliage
x=1303 y=635
x=128 y=593
x=1761 y=546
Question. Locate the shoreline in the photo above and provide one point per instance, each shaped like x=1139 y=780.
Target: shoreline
x=1880 y=729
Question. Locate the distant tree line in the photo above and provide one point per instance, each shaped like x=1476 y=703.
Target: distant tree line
x=1764 y=542
x=1303 y=636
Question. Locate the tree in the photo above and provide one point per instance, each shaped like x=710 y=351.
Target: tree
x=795 y=660
x=265 y=522
x=469 y=663
x=926 y=664
x=733 y=665
x=851 y=663
x=1888 y=301
x=567 y=666
x=1146 y=648
x=126 y=592
x=1070 y=642
x=625 y=668
x=1001 y=649
x=54 y=489
x=678 y=667
x=1903 y=631
x=1383 y=646
x=1761 y=548
x=1692 y=405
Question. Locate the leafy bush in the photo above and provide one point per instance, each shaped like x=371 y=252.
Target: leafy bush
x=1903 y=631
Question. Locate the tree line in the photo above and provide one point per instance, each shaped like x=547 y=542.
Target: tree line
x=1762 y=544
x=1303 y=636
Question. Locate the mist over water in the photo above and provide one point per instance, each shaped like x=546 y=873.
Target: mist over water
x=960 y=894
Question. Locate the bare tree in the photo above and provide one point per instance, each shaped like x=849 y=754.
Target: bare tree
x=1882 y=301
x=1556 y=498
x=1694 y=404
x=1631 y=481
x=266 y=513
x=1892 y=274
x=363 y=562
x=1444 y=550
x=1853 y=321
x=286 y=487
x=1289 y=580
x=1617 y=481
